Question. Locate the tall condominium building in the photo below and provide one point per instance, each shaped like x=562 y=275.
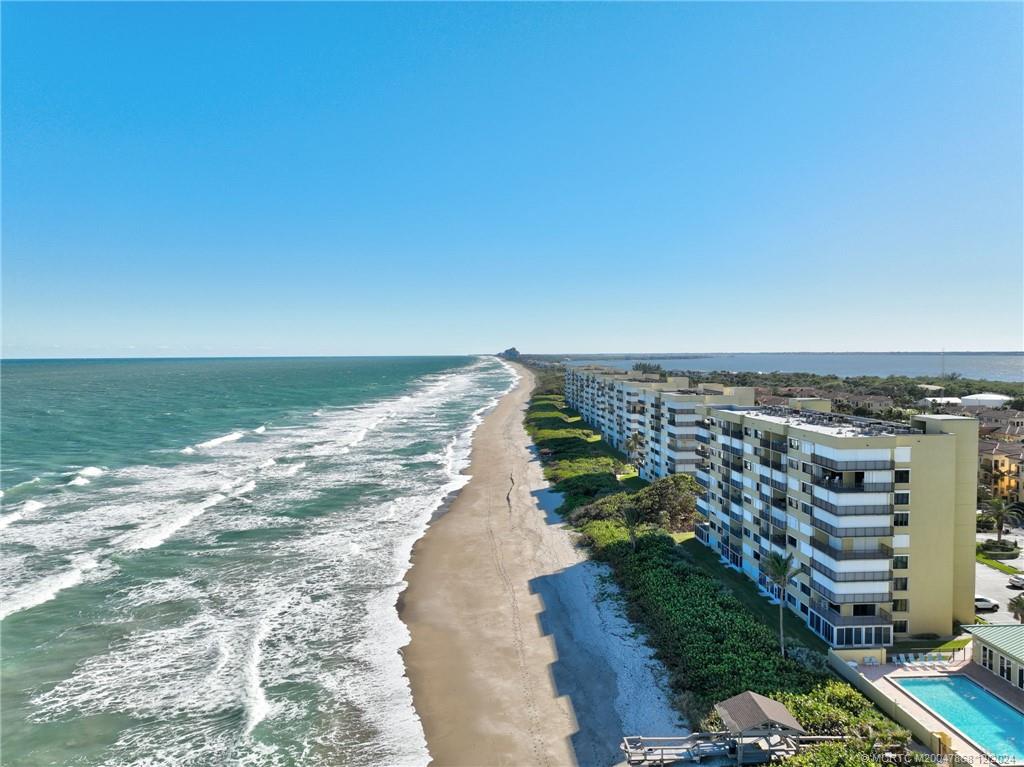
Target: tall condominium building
x=620 y=404
x=879 y=517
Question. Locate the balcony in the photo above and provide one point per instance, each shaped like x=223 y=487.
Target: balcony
x=830 y=463
x=883 y=617
x=851 y=532
x=880 y=552
x=879 y=575
x=853 y=511
x=870 y=597
x=779 y=446
x=858 y=487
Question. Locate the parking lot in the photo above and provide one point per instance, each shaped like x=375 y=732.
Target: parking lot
x=992 y=584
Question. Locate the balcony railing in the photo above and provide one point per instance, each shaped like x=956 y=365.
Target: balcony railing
x=860 y=487
x=882 y=618
x=830 y=463
x=846 y=599
x=880 y=552
x=853 y=511
x=880 y=575
x=851 y=532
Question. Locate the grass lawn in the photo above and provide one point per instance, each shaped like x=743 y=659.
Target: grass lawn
x=930 y=645
x=746 y=591
x=995 y=564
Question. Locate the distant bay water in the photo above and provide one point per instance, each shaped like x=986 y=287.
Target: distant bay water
x=201 y=558
x=995 y=366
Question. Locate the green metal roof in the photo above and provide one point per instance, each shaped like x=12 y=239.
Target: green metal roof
x=1007 y=638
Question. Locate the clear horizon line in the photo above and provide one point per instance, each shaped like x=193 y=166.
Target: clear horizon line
x=612 y=355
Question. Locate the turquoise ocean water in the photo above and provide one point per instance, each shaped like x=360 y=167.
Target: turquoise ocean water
x=201 y=558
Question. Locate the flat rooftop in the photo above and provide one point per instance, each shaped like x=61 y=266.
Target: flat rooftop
x=832 y=424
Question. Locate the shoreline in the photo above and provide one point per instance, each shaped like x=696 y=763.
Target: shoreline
x=518 y=653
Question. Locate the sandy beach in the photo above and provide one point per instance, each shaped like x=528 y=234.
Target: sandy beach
x=518 y=655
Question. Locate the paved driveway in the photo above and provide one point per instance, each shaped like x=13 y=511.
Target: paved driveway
x=992 y=583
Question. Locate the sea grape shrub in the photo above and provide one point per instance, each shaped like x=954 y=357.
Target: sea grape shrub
x=669 y=502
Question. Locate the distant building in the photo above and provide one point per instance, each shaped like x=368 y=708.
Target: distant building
x=999 y=468
x=931 y=389
x=868 y=403
x=934 y=402
x=985 y=399
x=512 y=353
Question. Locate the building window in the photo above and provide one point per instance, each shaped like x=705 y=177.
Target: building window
x=794 y=443
x=805 y=589
x=901 y=519
x=900 y=627
x=900 y=562
x=1020 y=676
x=986 y=657
x=901 y=605
x=747 y=466
x=792 y=503
x=861 y=610
x=805 y=468
x=901 y=499
x=902 y=476
x=805 y=488
x=791 y=541
x=899 y=584
x=1004 y=667
x=746 y=431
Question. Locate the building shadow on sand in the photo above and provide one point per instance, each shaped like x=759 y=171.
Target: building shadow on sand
x=581 y=672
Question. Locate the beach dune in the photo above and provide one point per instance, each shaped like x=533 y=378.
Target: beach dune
x=517 y=655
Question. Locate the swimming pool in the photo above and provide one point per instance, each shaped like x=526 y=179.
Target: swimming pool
x=979 y=715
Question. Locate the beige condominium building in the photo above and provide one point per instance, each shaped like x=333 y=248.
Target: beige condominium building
x=663 y=411
x=879 y=517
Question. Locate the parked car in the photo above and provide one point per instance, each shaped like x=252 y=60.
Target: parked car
x=1016 y=582
x=984 y=603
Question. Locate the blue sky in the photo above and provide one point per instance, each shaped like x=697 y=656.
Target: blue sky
x=390 y=178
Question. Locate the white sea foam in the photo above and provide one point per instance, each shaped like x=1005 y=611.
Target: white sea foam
x=232 y=437
x=10 y=519
x=29 y=506
x=90 y=471
x=45 y=589
x=153 y=535
x=188 y=450
x=259 y=429
x=256 y=705
x=79 y=481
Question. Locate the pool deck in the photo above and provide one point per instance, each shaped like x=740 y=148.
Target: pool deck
x=883 y=678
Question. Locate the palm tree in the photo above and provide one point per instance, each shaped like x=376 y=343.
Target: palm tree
x=1016 y=607
x=635 y=449
x=632 y=518
x=1002 y=512
x=779 y=570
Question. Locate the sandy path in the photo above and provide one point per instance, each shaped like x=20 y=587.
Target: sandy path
x=514 y=659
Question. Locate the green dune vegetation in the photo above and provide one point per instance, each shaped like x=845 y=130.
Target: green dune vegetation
x=700 y=624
